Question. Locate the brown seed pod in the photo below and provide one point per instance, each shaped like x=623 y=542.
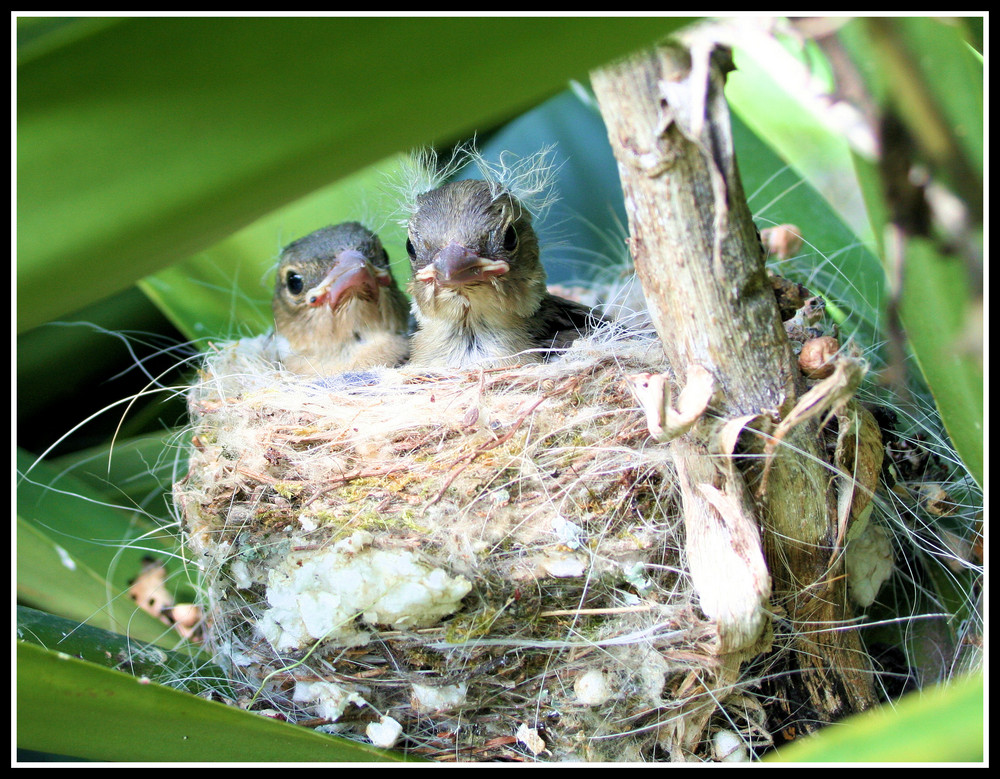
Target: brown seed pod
x=782 y=241
x=817 y=355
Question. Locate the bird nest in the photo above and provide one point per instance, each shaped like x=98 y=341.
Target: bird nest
x=481 y=565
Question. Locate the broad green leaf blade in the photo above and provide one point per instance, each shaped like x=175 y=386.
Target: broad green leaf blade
x=940 y=725
x=39 y=35
x=148 y=140
x=76 y=553
x=75 y=708
x=181 y=670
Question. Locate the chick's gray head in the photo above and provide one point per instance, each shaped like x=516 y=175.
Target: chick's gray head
x=472 y=246
x=329 y=265
x=335 y=278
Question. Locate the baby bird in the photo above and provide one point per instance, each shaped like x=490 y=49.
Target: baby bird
x=478 y=287
x=336 y=303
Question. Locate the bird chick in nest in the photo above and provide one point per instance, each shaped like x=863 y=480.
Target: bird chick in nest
x=337 y=304
x=478 y=286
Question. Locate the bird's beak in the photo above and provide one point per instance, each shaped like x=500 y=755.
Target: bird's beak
x=351 y=274
x=455 y=265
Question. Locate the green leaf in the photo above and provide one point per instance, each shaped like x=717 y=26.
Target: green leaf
x=137 y=471
x=71 y=707
x=187 y=670
x=76 y=553
x=147 y=140
x=942 y=724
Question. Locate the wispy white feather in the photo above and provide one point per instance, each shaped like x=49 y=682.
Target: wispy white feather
x=528 y=179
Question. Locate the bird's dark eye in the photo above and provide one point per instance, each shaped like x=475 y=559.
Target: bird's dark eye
x=510 y=239
x=294 y=282
x=410 y=250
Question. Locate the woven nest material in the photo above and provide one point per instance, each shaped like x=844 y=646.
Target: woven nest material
x=482 y=565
